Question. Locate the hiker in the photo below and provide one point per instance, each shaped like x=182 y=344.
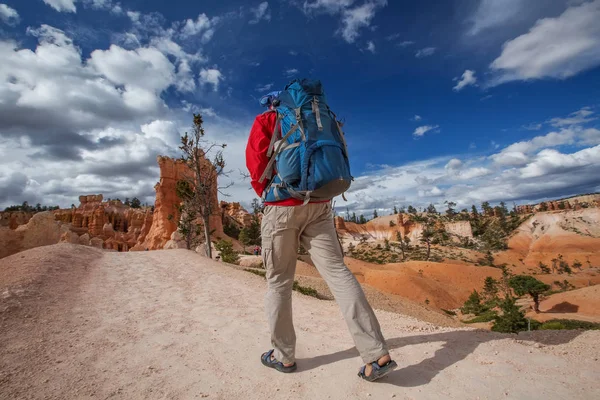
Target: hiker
x=297 y=159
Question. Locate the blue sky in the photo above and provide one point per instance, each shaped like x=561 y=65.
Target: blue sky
x=465 y=100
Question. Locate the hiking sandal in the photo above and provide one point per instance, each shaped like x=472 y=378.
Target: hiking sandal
x=377 y=371
x=278 y=365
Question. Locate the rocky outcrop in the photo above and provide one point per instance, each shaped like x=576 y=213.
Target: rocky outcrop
x=234 y=212
x=572 y=203
x=166 y=213
x=387 y=227
x=116 y=225
x=12 y=219
x=41 y=230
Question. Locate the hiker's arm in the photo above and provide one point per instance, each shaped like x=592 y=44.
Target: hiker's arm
x=256 y=149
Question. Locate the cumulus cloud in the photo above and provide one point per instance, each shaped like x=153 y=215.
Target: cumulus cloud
x=62 y=5
x=8 y=15
x=555 y=164
x=211 y=76
x=260 y=12
x=425 y=52
x=354 y=18
x=371 y=46
x=422 y=130
x=202 y=26
x=467 y=78
x=557 y=47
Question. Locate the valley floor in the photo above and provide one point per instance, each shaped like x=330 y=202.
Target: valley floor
x=79 y=323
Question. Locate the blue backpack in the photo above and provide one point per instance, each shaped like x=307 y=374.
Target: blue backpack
x=308 y=156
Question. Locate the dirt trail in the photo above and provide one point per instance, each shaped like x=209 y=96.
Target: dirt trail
x=174 y=325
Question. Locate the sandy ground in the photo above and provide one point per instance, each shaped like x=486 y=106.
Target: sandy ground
x=80 y=324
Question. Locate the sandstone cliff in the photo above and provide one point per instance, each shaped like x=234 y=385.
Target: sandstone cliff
x=166 y=213
x=116 y=225
x=386 y=227
x=12 y=219
x=40 y=230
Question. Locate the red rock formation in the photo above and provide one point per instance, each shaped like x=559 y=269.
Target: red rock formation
x=93 y=215
x=234 y=212
x=387 y=227
x=12 y=219
x=166 y=214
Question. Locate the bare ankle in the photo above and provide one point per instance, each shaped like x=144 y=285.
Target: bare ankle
x=384 y=360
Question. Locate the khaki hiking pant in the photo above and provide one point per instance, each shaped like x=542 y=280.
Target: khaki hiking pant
x=283 y=228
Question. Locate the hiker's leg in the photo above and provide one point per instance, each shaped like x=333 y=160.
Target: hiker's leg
x=320 y=239
x=280 y=246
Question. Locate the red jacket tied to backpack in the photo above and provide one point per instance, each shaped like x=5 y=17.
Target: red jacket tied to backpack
x=256 y=155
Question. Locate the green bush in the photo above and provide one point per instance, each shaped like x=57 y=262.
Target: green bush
x=473 y=304
x=512 y=319
x=574 y=324
x=449 y=312
x=307 y=291
x=228 y=255
x=552 y=326
x=486 y=316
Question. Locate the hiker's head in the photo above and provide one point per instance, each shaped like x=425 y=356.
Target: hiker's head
x=270 y=100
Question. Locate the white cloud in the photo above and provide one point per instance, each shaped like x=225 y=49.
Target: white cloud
x=353 y=18
x=201 y=26
x=571 y=133
x=134 y=16
x=425 y=52
x=264 y=88
x=454 y=165
x=550 y=161
x=145 y=68
x=371 y=46
x=532 y=127
x=493 y=13
x=416 y=118
x=8 y=15
x=397 y=36
x=422 y=130
x=576 y=118
x=211 y=76
x=328 y=6
x=62 y=5
x=468 y=78
x=261 y=12
x=290 y=72
x=557 y=47
x=165 y=130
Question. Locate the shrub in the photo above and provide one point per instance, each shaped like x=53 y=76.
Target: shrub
x=512 y=319
x=307 y=291
x=449 y=312
x=486 y=316
x=473 y=304
x=574 y=324
x=552 y=326
x=228 y=255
